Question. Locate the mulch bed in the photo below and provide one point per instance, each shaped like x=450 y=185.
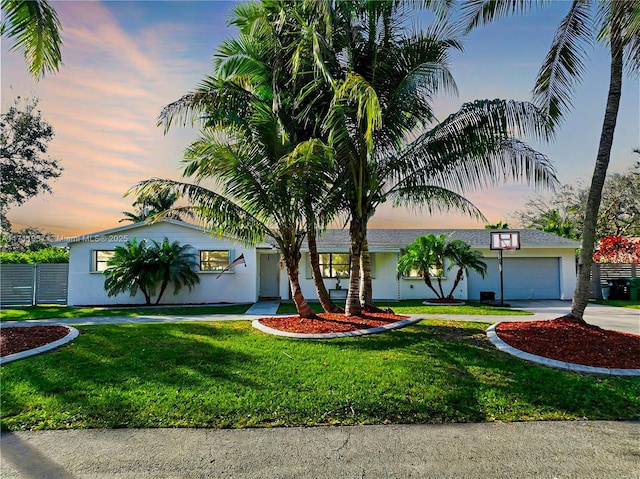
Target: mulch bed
x=568 y=340
x=17 y=339
x=331 y=322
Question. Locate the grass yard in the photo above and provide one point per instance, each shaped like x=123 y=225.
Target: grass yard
x=620 y=303
x=229 y=375
x=55 y=311
x=415 y=306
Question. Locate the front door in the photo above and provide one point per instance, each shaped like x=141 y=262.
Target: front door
x=269 y=276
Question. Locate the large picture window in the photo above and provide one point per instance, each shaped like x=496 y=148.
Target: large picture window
x=334 y=265
x=100 y=259
x=214 y=260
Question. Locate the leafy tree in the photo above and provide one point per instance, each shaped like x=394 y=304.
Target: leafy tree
x=139 y=266
x=45 y=255
x=26 y=239
x=617 y=249
x=563 y=213
x=24 y=140
x=616 y=23
x=35 y=29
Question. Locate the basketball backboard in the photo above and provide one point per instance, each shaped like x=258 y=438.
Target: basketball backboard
x=501 y=240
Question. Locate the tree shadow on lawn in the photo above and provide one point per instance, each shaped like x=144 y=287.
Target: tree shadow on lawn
x=502 y=386
x=172 y=359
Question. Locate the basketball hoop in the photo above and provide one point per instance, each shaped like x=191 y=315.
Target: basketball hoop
x=502 y=241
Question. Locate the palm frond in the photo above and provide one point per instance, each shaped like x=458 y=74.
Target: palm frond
x=476 y=13
x=433 y=198
x=35 y=27
x=216 y=213
x=564 y=65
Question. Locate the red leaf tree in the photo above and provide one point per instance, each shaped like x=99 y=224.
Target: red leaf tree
x=617 y=249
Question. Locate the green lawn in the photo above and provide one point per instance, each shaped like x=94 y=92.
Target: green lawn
x=416 y=307
x=230 y=375
x=620 y=303
x=54 y=311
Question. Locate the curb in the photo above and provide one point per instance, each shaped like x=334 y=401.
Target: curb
x=554 y=363
x=73 y=334
x=346 y=334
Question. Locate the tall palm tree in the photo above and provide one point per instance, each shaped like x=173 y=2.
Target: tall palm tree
x=148 y=207
x=384 y=79
x=616 y=23
x=34 y=27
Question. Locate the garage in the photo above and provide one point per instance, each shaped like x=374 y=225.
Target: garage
x=524 y=278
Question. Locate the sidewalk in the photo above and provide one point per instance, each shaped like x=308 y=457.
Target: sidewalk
x=582 y=450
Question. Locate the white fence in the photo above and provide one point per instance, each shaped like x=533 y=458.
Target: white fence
x=31 y=284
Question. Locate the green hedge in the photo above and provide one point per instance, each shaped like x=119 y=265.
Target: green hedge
x=47 y=255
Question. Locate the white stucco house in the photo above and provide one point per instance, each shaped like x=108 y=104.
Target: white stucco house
x=544 y=267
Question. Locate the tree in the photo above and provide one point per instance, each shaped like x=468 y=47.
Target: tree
x=617 y=249
x=428 y=256
x=27 y=239
x=616 y=24
x=148 y=207
x=140 y=266
x=24 y=140
x=383 y=80
x=464 y=258
x=35 y=29
x=500 y=225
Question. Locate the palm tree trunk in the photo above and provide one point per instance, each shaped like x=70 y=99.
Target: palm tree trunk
x=357 y=233
x=293 y=270
x=163 y=286
x=366 y=286
x=321 y=290
x=455 y=283
x=429 y=284
x=581 y=294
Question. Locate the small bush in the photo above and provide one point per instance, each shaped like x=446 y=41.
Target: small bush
x=46 y=255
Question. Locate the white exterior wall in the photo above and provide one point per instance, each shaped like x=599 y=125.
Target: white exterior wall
x=237 y=286
x=385 y=283
x=566 y=259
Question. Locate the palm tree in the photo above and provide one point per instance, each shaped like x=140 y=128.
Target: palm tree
x=148 y=207
x=383 y=81
x=464 y=258
x=426 y=256
x=130 y=269
x=175 y=264
x=35 y=28
x=616 y=23
x=140 y=266
x=251 y=85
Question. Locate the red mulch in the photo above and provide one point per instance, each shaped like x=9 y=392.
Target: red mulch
x=331 y=322
x=16 y=339
x=566 y=339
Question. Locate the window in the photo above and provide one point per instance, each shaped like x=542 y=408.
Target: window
x=433 y=273
x=100 y=259
x=334 y=265
x=214 y=260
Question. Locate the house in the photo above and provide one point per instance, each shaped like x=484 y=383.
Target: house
x=544 y=267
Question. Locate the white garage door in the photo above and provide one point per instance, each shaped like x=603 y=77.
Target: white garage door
x=524 y=278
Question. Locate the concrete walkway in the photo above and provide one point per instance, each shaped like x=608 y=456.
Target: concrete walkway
x=585 y=450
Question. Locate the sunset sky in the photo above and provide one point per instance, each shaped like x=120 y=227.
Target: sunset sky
x=123 y=61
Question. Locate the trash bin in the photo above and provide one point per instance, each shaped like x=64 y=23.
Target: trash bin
x=487 y=296
x=619 y=288
x=634 y=286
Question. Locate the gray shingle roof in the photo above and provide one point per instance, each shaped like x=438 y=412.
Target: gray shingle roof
x=394 y=239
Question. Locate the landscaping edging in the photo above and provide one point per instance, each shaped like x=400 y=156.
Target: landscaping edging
x=73 y=334
x=554 y=363
x=345 y=334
